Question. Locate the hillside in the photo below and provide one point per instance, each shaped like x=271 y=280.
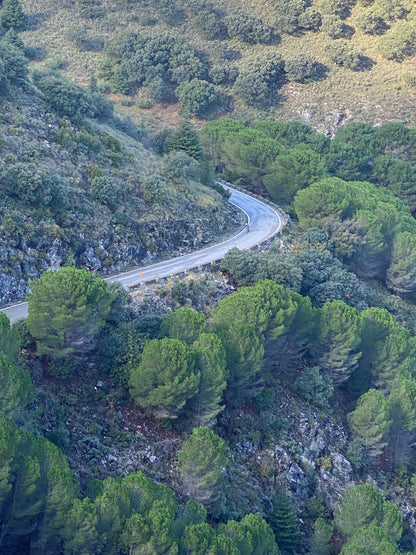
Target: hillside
x=344 y=60
x=91 y=191
x=265 y=405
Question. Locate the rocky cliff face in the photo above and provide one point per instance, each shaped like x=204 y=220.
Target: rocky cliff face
x=112 y=251
x=94 y=195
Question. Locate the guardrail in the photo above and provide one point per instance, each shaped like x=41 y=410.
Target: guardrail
x=285 y=219
x=283 y=216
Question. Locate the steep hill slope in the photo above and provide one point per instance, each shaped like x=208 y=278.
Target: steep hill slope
x=91 y=194
x=344 y=60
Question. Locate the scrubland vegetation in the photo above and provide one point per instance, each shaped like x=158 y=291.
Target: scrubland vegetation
x=268 y=406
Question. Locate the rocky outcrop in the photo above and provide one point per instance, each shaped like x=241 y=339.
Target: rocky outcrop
x=111 y=252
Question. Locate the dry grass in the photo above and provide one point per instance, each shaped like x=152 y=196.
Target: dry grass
x=374 y=96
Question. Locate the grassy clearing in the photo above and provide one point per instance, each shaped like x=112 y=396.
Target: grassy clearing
x=374 y=96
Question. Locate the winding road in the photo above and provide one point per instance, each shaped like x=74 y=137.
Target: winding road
x=264 y=223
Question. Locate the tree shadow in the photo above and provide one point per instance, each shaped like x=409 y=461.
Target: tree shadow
x=275 y=39
x=35 y=53
x=365 y=63
x=36 y=20
x=347 y=31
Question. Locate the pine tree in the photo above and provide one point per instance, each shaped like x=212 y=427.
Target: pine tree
x=321 y=538
x=371 y=420
x=251 y=535
x=66 y=310
x=186 y=138
x=370 y=540
x=197 y=538
x=212 y=364
x=371 y=257
x=403 y=403
x=245 y=349
x=135 y=535
x=8 y=447
x=185 y=324
x=16 y=389
x=12 y=37
x=142 y=492
x=284 y=522
x=113 y=509
x=361 y=506
x=262 y=536
x=59 y=495
x=388 y=349
x=339 y=338
x=162 y=538
x=401 y=274
x=80 y=533
x=243 y=321
x=392 y=521
x=9 y=337
x=165 y=378
x=202 y=460
x=12 y=16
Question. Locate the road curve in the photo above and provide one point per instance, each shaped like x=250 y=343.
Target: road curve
x=264 y=223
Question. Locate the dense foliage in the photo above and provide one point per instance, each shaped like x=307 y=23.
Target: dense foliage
x=250 y=405
x=81 y=186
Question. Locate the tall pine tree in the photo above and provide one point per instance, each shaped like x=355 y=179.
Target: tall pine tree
x=284 y=522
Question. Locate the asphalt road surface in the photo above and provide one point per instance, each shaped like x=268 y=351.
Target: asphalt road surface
x=264 y=222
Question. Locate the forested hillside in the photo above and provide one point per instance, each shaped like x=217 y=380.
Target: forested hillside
x=266 y=404
x=82 y=186
x=319 y=61
x=278 y=418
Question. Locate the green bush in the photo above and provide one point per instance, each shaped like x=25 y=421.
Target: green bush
x=294 y=16
x=103 y=190
x=370 y=22
x=339 y=8
x=249 y=29
x=223 y=74
x=198 y=97
x=399 y=43
x=314 y=387
x=210 y=25
x=259 y=80
x=71 y=100
x=343 y=54
x=304 y=68
x=334 y=27
x=391 y=10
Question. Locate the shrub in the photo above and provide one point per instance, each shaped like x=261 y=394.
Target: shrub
x=334 y=27
x=70 y=100
x=103 y=190
x=304 y=68
x=198 y=97
x=210 y=25
x=370 y=22
x=223 y=74
x=340 y=8
x=249 y=29
x=343 y=54
x=399 y=43
x=393 y=10
x=314 y=387
x=259 y=79
x=310 y=19
x=289 y=15
x=170 y=13
x=158 y=91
